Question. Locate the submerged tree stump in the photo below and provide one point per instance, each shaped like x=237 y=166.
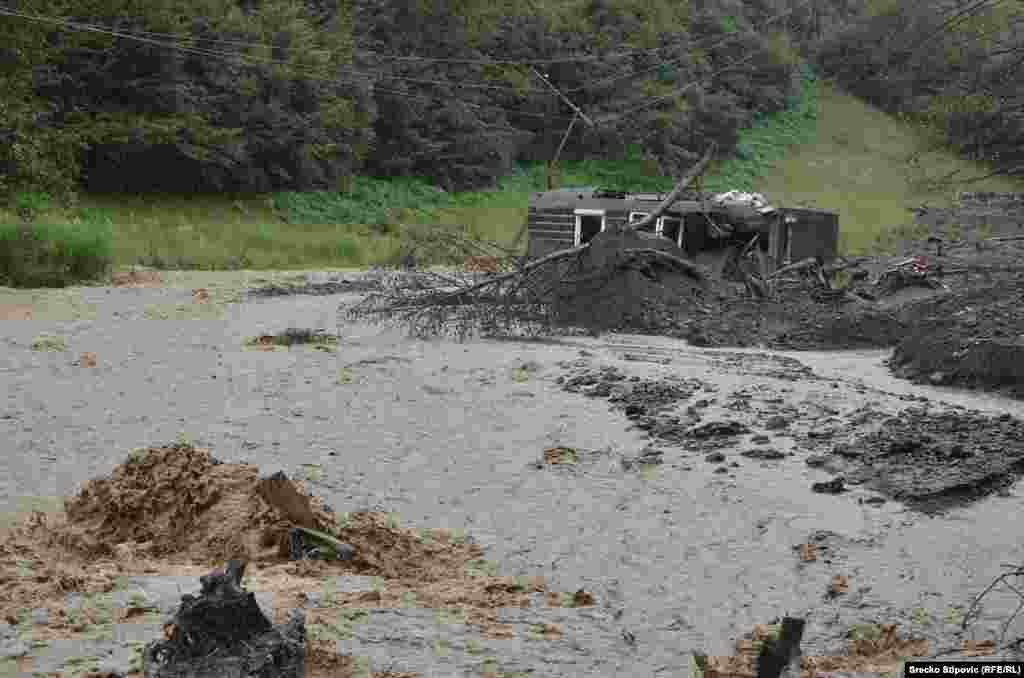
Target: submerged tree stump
x=222 y=633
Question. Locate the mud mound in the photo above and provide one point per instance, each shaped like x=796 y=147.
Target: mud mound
x=648 y=403
x=180 y=501
x=973 y=338
x=177 y=500
x=401 y=553
x=819 y=328
x=935 y=461
x=600 y=291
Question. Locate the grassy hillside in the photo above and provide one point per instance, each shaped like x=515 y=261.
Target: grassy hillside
x=856 y=165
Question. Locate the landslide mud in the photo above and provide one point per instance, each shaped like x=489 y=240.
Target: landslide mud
x=937 y=460
x=176 y=511
x=964 y=326
x=679 y=556
x=932 y=460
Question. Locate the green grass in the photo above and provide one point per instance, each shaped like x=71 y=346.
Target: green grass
x=768 y=140
x=50 y=253
x=856 y=165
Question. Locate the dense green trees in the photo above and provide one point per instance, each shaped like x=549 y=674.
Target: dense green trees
x=178 y=110
x=262 y=95
x=954 y=66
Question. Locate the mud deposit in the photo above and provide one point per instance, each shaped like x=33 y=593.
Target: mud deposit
x=500 y=524
x=935 y=461
x=931 y=460
x=965 y=328
x=971 y=338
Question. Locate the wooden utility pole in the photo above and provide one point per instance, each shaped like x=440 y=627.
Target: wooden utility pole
x=551 y=167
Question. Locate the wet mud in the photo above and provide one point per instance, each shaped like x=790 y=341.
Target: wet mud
x=963 y=325
x=931 y=460
x=682 y=536
x=969 y=338
x=314 y=285
x=935 y=461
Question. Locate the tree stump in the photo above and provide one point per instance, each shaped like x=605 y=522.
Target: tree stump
x=778 y=655
x=222 y=633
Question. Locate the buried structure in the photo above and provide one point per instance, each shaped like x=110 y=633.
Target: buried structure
x=699 y=224
x=728 y=273
x=603 y=260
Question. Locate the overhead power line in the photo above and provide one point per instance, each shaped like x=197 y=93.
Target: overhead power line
x=568 y=59
x=379 y=55
x=454 y=60
x=729 y=38
x=245 y=60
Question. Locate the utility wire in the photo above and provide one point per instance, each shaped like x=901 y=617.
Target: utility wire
x=243 y=59
x=412 y=57
x=247 y=60
x=138 y=35
x=671 y=95
x=728 y=38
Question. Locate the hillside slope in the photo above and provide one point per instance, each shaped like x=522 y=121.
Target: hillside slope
x=857 y=164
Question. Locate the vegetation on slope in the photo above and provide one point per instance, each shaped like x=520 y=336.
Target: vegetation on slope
x=953 y=68
x=222 y=96
x=297 y=148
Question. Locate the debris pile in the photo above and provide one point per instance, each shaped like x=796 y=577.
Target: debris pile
x=607 y=288
x=178 y=500
x=972 y=337
x=648 y=403
x=934 y=460
x=170 y=511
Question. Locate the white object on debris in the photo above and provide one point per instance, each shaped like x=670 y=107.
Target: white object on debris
x=754 y=200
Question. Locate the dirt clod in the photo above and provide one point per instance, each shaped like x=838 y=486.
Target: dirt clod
x=934 y=460
x=839 y=585
x=835 y=486
x=135 y=278
x=716 y=429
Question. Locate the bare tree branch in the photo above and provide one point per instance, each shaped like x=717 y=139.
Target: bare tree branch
x=688 y=267
x=694 y=172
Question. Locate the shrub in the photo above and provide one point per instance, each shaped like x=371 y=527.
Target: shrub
x=53 y=255
x=29 y=204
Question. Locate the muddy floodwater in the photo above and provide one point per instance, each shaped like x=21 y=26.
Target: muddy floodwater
x=680 y=554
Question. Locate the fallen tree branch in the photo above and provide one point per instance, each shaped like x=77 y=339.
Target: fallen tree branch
x=494 y=280
x=688 y=267
x=974 y=609
x=694 y=172
x=750 y=244
x=801 y=265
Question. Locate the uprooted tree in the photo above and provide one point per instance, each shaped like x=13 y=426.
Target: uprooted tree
x=623 y=277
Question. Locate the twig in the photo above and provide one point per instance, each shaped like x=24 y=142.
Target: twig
x=801 y=265
x=971 y=611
